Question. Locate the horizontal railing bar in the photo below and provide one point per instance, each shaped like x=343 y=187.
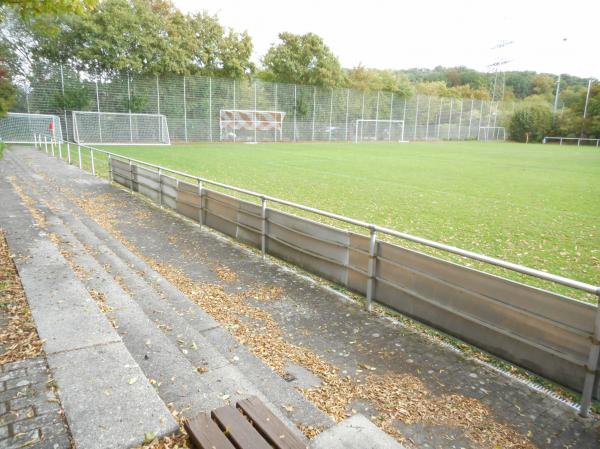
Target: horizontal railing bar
x=578 y=285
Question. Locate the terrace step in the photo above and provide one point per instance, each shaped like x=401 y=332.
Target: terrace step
x=108 y=402
x=167 y=334
x=356 y=432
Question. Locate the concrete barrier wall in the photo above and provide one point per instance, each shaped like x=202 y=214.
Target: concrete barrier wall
x=544 y=332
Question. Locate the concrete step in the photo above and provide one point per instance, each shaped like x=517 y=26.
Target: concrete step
x=356 y=432
x=108 y=402
x=167 y=334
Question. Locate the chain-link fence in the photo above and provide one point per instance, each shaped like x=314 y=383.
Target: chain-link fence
x=192 y=106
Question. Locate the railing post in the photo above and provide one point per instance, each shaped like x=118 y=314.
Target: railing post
x=160 y=197
x=130 y=176
x=263 y=236
x=52 y=146
x=79 y=157
x=372 y=268
x=92 y=159
x=110 y=176
x=60 y=150
x=46 y=144
x=69 y=153
x=201 y=211
x=591 y=366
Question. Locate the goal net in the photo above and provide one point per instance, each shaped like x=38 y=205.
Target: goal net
x=27 y=128
x=250 y=125
x=115 y=128
x=491 y=133
x=379 y=130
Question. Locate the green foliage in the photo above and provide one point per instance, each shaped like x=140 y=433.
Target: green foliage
x=7 y=89
x=373 y=79
x=302 y=59
x=441 y=89
x=139 y=37
x=531 y=123
x=74 y=99
x=32 y=8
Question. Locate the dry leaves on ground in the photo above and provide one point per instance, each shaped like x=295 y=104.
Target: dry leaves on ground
x=396 y=397
x=18 y=337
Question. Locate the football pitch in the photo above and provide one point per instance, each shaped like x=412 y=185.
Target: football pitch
x=537 y=205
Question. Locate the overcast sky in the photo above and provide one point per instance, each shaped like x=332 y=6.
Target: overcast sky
x=426 y=33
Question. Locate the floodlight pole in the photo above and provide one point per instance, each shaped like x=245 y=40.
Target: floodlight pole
x=587 y=98
x=557 y=94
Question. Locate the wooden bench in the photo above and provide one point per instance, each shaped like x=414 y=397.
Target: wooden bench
x=250 y=425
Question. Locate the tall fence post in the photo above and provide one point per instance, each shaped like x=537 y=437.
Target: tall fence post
x=372 y=269
x=591 y=366
x=460 y=119
x=201 y=208
x=210 y=125
x=480 y=118
x=314 y=111
x=185 y=132
x=450 y=117
x=79 y=157
x=255 y=107
x=62 y=86
x=428 y=116
x=93 y=164
x=362 y=117
x=439 y=130
x=129 y=109
x=263 y=232
x=234 y=114
x=470 y=118
x=391 y=117
x=416 y=118
x=98 y=111
x=377 y=115
x=330 y=113
x=295 y=107
x=347 y=110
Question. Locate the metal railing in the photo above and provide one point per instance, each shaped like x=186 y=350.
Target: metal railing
x=561 y=140
x=371 y=229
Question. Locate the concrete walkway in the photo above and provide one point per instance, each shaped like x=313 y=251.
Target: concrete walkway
x=420 y=391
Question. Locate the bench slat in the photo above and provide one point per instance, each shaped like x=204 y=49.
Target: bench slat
x=205 y=434
x=238 y=429
x=269 y=426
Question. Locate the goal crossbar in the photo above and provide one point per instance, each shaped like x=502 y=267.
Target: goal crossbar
x=120 y=128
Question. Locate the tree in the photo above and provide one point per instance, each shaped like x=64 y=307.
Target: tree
x=362 y=78
x=32 y=8
x=302 y=59
x=531 y=123
x=138 y=37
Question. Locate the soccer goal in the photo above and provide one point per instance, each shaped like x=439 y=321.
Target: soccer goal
x=250 y=125
x=116 y=128
x=379 y=130
x=491 y=133
x=25 y=128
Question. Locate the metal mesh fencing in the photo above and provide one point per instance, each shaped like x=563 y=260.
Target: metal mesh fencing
x=192 y=105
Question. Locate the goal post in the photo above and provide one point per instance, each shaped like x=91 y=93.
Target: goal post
x=379 y=130
x=120 y=128
x=491 y=133
x=250 y=125
x=28 y=128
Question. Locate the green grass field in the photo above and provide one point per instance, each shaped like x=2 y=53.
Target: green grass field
x=538 y=205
